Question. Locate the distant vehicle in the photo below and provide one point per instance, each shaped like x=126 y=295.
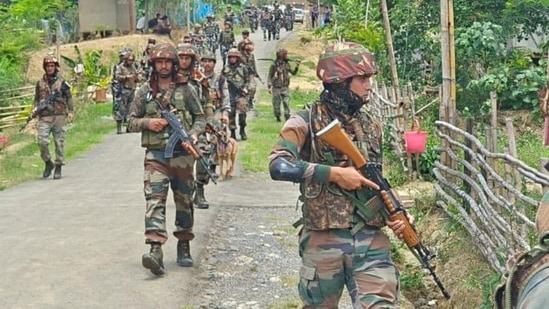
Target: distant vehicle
x=299 y=15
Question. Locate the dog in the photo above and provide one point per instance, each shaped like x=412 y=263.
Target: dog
x=227 y=148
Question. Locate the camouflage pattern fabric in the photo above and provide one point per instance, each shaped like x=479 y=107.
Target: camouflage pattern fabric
x=159 y=174
x=526 y=280
x=343 y=60
x=279 y=74
x=52 y=119
x=281 y=95
x=54 y=125
x=239 y=74
x=334 y=259
x=126 y=75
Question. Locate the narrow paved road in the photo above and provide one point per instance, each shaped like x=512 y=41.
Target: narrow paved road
x=77 y=242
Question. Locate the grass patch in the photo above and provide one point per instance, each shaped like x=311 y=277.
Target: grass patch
x=92 y=122
x=264 y=129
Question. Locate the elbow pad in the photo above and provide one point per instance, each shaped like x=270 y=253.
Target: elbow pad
x=282 y=169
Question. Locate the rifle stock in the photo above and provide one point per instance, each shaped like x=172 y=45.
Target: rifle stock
x=334 y=136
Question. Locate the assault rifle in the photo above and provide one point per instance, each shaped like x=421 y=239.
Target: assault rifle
x=334 y=136
x=46 y=104
x=233 y=84
x=180 y=135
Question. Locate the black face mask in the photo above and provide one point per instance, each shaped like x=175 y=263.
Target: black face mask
x=341 y=98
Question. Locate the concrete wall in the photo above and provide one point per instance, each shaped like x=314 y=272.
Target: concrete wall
x=107 y=15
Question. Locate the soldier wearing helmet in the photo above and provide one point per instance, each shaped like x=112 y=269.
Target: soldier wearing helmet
x=245 y=38
x=229 y=15
x=55 y=92
x=198 y=38
x=333 y=191
x=216 y=107
x=126 y=77
x=248 y=59
x=163 y=93
x=238 y=80
x=277 y=20
x=266 y=23
x=226 y=41
x=211 y=32
x=188 y=62
x=278 y=83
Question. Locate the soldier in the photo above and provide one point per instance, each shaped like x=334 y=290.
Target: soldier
x=52 y=119
x=127 y=77
x=226 y=41
x=526 y=280
x=162 y=173
x=266 y=21
x=211 y=30
x=277 y=18
x=248 y=60
x=238 y=79
x=145 y=66
x=216 y=107
x=289 y=17
x=245 y=36
x=229 y=15
x=198 y=38
x=278 y=82
x=337 y=248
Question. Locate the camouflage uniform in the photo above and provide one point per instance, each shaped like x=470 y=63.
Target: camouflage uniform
x=238 y=80
x=215 y=104
x=336 y=247
x=278 y=81
x=266 y=21
x=248 y=59
x=211 y=30
x=52 y=119
x=127 y=76
x=526 y=280
x=226 y=41
x=161 y=172
x=277 y=18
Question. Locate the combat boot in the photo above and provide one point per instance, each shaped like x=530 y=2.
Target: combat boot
x=119 y=127
x=47 y=170
x=199 y=200
x=243 y=135
x=277 y=118
x=153 y=259
x=184 y=258
x=286 y=117
x=233 y=133
x=57 y=172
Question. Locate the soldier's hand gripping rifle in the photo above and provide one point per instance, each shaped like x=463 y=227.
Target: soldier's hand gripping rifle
x=179 y=135
x=46 y=104
x=334 y=136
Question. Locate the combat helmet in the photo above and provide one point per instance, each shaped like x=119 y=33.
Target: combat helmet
x=163 y=51
x=187 y=49
x=280 y=52
x=233 y=52
x=209 y=56
x=197 y=25
x=343 y=60
x=50 y=58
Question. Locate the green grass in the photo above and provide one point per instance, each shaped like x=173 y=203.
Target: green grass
x=92 y=122
x=264 y=129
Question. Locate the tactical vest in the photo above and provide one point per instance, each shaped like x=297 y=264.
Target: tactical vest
x=157 y=140
x=127 y=70
x=227 y=38
x=521 y=272
x=59 y=106
x=236 y=74
x=281 y=77
x=327 y=206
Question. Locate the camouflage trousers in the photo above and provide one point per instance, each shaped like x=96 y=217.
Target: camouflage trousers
x=252 y=89
x=281 y=95
x=121 y=106
x=333 y=259
x=160 y=174
x=56 y=126
x=239 y=106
